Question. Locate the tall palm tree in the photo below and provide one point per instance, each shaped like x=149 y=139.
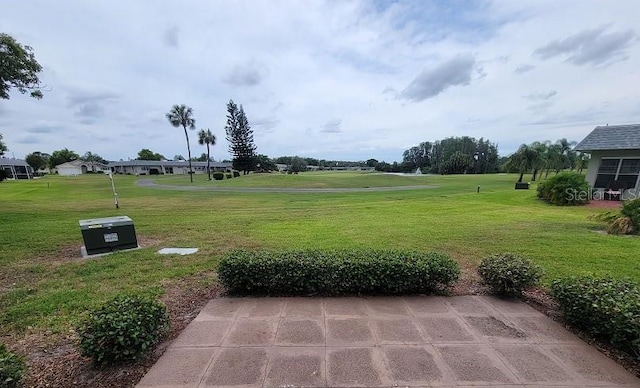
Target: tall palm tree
x=523 y=160
x=182 y=116
x=208 y=138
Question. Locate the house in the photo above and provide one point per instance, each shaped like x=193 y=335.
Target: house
x=78 y=167
x=615 y=159
x=16 y=168
x=161 y=167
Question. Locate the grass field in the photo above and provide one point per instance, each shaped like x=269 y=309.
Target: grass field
x=43 y=286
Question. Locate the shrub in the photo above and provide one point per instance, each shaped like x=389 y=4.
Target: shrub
x=228 y=175
x=236 y=173
x=3 y=174
x=336 y=272
x=625 y=221
x=565 y=188
x=508 y=274
x=604 y=307
x=218 y=175
x=12 y=367
x=123 y=329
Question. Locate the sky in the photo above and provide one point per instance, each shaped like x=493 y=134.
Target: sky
x=336 y=80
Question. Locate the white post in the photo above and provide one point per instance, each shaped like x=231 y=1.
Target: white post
x=113 y=188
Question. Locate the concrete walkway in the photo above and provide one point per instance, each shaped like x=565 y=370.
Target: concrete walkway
x=380 y=341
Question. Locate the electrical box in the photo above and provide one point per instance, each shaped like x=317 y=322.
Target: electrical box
x=102 y=235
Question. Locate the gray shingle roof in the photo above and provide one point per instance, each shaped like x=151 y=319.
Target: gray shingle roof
x=13 y=162
x=612 y=137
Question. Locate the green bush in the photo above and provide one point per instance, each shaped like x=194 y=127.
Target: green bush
x=565 y=189
x=218 y=175
x=12 y=367
x=228 y=175
x=624 y=221
x=605 y=307
x=3 y=174
x=236 y=173
x=336 y=272
x=508 y=274
x=125 y=328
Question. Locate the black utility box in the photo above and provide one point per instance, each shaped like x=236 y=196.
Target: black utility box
x=103 y=235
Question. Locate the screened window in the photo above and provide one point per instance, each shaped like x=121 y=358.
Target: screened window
x=617 y=174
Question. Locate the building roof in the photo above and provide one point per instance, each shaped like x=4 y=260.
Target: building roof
x=166 y=163
x=78 y=163
x=13 y=162
x=612 y=137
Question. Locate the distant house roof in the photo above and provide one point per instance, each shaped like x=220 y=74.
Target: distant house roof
x=166 y=163
x=13 y=162
x=78 y=163
x=612 y=137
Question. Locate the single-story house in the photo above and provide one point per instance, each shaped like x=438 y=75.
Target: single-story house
x=161 y=167
x=16 y=168
x=78 y=167
x=615 y=158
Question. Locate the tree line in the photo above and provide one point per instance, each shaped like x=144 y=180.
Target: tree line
x=545 y=156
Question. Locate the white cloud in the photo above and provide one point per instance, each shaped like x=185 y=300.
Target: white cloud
x=345 y=80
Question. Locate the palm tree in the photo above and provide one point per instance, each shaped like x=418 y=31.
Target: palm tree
x=208 y=138
x=525 y=159
x=182 y=115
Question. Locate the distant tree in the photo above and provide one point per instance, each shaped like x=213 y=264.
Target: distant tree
x=298 y=164
x=91 y=157
x=62 y=156
x=178 y=157
x=147 y=154
x=209 y=139
x=3 y=147
x=523 y=160
x=202 y=158
x=240 y=138
x=372 y=163
x=38 y=160
x=582 y=161
x=182 y=116
x=264 y=163
x=18 y=68
x=458 y=163
x=3 y=174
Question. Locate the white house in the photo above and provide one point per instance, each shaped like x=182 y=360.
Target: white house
x=78 y=167
x=16 y=168
x=161 y=167
x=615 y=158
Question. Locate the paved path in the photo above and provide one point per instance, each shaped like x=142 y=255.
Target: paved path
x=150 y=183
x=379 y=341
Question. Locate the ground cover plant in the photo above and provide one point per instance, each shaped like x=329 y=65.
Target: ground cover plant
x=12 y=366
x=508 y=274
x=623 y=221
x=336 y=272
x=45 y=288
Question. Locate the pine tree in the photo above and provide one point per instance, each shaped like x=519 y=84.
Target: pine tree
x=240 y=138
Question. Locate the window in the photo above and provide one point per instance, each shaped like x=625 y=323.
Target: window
x=617 y=174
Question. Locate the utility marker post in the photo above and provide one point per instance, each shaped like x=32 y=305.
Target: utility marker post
x=113 y=188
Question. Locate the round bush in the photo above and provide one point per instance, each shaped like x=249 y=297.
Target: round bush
x=123 y=329
x=565 y=188
x=12 y=367
x=508 y=274
x=218 y=175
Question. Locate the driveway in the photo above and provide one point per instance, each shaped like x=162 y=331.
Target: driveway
x=379 y=341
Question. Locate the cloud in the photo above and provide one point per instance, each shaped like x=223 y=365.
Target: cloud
x=265 y=124
x=170 y=37
x=454 y=72
x=524 y=69
x=595 y=47
x=245 y=75
x=29 y=140
x=540 y=95
x=90 y=106
x=43 y=128
x=332 y=126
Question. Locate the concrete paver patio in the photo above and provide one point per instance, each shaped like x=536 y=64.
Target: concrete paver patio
x=380 y=341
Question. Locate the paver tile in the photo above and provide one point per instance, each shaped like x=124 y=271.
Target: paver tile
x=238 y=366
x=179 y=367
x=469 y=305
x=303 y=307
x=532 y=365
x=348 y=332
x=544 y=329
x=348 y=306
x=203 y=333
x=509 y=305
x=300 y=332
x=388 y=305
x=351 y=367
x=262 y=307
x=396 y=331
x=475 y=363
x=221 y=308
x=411 y=365
x=296 y=367
x=252 y=332
x=427 y=305
x=495 y=329
x=445 y=329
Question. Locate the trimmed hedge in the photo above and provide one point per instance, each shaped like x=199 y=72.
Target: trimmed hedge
x=218 y=175
x=336 y=272
x=123 y=329
x=12 y=367
x=508 y=274
x=604 y=307
x=565 y=189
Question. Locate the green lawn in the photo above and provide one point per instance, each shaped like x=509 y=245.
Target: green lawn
x=42 y=286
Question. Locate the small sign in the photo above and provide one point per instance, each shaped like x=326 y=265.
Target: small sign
x=111 y=237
